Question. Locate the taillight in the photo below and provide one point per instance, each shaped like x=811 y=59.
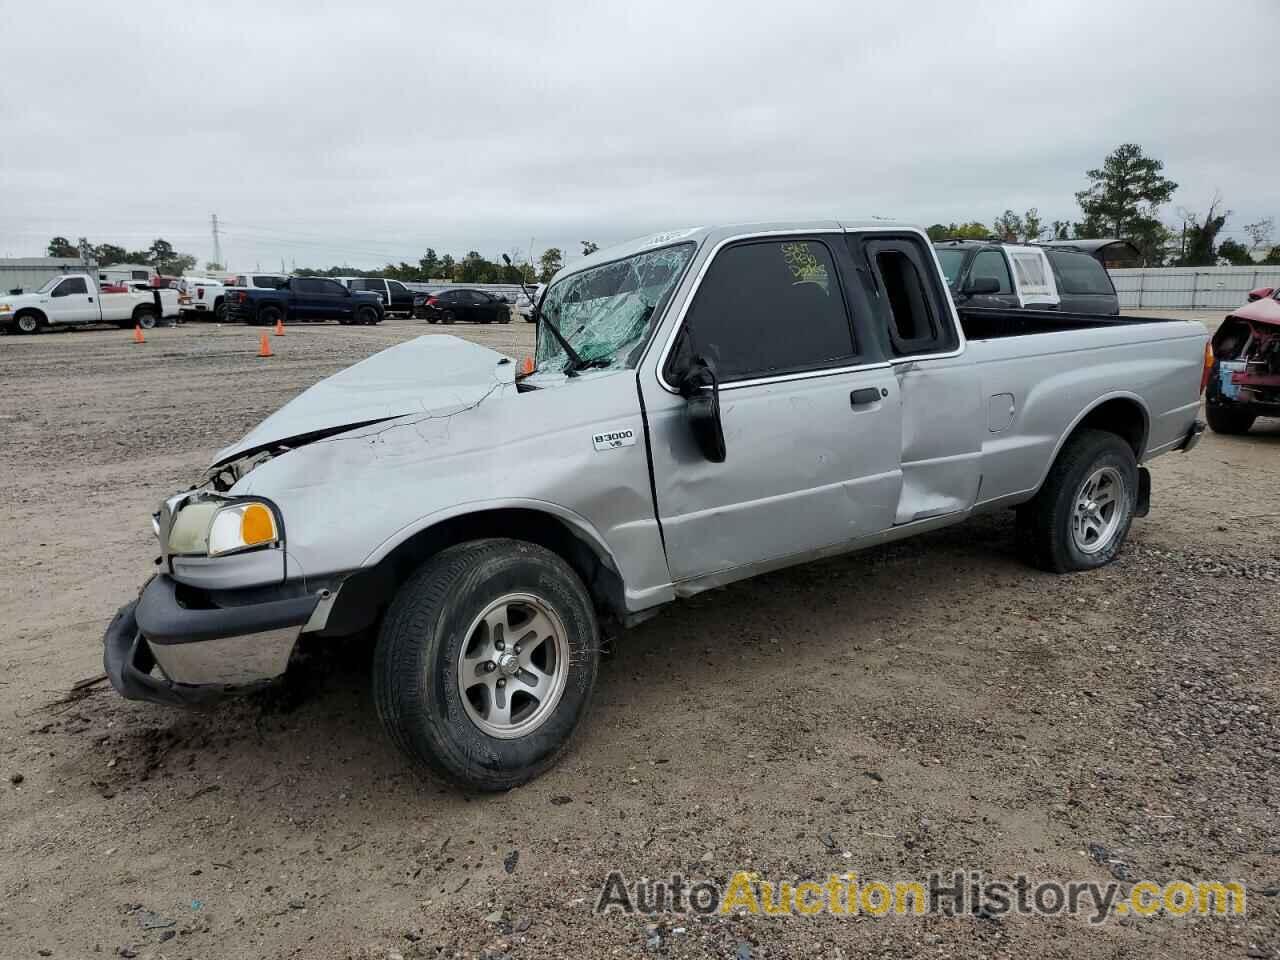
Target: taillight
x=199 y=293
x=431 y=301
x=1208 y=366
x=242 y=298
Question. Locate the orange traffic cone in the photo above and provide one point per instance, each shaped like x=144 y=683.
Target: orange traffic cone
x=264 y=348
x=137 y=334
x=280 y=327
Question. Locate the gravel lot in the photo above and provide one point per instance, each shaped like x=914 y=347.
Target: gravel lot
x=930 y=705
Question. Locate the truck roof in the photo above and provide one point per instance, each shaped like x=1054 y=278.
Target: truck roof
x=720 y=232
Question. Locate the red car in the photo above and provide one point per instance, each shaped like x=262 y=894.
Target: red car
x=1244 y=383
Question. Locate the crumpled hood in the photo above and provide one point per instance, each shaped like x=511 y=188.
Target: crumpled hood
x=429 y=374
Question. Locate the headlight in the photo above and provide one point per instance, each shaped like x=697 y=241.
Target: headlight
x=215 y=529
x=5 y=308
x=241 y=526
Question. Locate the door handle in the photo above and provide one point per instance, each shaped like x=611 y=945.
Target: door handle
x=866 y=395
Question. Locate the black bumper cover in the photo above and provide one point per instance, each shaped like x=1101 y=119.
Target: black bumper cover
x=160 y=618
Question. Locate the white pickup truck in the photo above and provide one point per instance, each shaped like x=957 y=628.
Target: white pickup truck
x=75 y=298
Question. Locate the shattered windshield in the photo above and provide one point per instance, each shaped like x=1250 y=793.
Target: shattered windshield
x=605 y=312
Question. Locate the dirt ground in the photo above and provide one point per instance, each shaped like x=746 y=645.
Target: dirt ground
x=929 y=705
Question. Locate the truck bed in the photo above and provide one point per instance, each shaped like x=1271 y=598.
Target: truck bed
x=988 y=323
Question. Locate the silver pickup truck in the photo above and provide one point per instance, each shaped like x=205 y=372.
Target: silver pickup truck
x=703 y=405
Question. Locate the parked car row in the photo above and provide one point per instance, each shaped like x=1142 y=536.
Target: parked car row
x=303 y=300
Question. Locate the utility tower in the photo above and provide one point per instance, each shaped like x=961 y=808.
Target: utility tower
x=217 y=245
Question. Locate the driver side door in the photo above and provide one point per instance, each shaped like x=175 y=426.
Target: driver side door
x=809 y=409
x=73 y=301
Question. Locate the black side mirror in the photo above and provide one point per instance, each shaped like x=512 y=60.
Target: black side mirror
x=700 y=388
x=981 y=285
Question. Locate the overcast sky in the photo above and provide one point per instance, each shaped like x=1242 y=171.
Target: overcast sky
x=323 y=133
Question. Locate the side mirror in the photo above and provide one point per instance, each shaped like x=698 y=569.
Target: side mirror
x=700 y=388
x=980 y=285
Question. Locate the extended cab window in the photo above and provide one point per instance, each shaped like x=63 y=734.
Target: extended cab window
x=766 y=308
x=910 y=297
x=269 y=283
x=991 y=263
x=70 y=287
x=397 y=287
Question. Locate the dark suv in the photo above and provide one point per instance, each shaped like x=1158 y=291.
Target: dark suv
x=303 y=299
x=475 y=306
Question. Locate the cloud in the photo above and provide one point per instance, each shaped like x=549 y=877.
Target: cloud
x=323 y=133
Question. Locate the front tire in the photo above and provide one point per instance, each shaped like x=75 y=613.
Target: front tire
x=1080 y=518
x=367 y=316
x=1227 y=421
x=268 y=316
x=27 y=323
x=486 y=662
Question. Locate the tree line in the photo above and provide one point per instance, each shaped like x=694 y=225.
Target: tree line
x=1123 y=200
x=159 y=255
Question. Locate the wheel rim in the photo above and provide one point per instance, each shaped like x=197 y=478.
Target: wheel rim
x=1100 y=507
x=28 y=324
x=146 y=321
x=513 y=665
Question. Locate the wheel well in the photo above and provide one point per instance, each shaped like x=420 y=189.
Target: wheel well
x=367 y=592
x=143 y=308
x=1121 y=416
x=31 y=312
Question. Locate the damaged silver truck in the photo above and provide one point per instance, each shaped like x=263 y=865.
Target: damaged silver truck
x=703 y=406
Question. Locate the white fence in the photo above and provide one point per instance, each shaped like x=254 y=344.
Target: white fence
x=1190 y=288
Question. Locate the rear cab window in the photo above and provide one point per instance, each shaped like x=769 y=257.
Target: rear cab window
x=767 y=308
x=991 y=263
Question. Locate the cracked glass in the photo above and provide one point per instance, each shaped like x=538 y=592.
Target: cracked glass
x=606 y=312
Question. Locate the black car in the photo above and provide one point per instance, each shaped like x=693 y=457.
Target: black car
x=473 y=306
x=980 y=275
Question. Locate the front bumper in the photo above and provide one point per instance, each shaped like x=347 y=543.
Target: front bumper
x=161 y=649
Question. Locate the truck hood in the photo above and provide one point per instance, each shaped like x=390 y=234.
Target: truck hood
x=430 y=375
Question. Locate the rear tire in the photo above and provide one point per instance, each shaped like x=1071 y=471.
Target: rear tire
x=145 y=317
x=1080 y=518
x=1227 y=421
x=451 y=685
x=220 y=313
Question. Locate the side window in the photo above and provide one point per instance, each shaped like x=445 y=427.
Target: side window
x=766 y=308
x=70 y=287
x=1079 y=273
x=266 y=283
x=309 y=285
x=1031 y=273
x=397 y=287
x=331 y=288
x=991 y=263
x=140 y=275
x=909 y=293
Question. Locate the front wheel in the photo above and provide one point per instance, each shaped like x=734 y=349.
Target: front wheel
x=486 y=662
x=1227 y=421
x=1080 y=518
x=268 y=316
x=367 y=315
x=27 y=323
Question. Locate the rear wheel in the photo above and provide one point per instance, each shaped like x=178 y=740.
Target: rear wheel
x=1223 y=419
x=220 y=312
x=486 y=662
x=27 y=323
x=1080 y=518
x=145 y=317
